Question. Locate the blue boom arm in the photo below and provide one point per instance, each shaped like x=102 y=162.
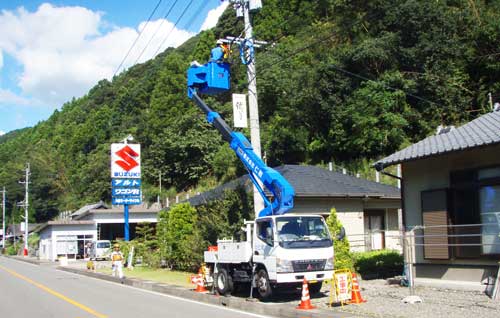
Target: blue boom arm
x=215 y=79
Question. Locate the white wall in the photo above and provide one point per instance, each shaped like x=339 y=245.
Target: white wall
x=350 y=212
x=50 y=234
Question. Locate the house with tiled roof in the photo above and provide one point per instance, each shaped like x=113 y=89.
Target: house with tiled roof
x=451 y=201
x=368 y=210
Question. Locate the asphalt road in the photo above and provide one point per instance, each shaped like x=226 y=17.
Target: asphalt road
x=40 y=291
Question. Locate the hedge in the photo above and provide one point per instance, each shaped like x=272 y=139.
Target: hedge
x=378 y=264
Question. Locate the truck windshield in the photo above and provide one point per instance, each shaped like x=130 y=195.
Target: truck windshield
x=302 y=231
x=103 y=245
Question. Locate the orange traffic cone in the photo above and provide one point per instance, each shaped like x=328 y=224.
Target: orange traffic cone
x=200 y=284
x=305 y=302
x=356 y=294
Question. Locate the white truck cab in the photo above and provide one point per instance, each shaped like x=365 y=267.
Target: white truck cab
x=279 y=250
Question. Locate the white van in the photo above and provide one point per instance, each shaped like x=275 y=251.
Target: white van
x=100 y=250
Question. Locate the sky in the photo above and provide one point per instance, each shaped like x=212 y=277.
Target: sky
x=52 y=51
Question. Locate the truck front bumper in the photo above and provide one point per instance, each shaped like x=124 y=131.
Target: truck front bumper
x=299 y=277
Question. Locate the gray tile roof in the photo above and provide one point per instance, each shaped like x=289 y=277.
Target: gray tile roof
x=86 y=208
x=311 y=181
x=63 y=222
x=482 y=131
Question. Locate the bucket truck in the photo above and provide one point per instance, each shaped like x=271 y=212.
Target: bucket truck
x=280 y=249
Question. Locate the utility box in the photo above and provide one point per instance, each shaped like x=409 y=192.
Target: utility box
x=234 y=252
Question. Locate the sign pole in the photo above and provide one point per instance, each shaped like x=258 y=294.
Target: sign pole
x=3 y=218
x=126 y=227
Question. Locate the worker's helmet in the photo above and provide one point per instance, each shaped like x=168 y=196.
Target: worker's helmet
x=220 y=41
x=116 y=245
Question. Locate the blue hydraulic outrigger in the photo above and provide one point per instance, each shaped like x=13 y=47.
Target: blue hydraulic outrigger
x=213 y=78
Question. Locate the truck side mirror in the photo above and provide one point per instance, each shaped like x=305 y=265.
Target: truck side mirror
x=341 y=234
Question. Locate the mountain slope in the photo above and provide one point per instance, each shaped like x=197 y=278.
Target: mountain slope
x=340 y=81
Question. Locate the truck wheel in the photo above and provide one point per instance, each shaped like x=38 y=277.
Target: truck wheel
x=315 y=288
x=224 y=282
x=263 y=285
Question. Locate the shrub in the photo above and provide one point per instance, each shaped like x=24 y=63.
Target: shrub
x=33 y=240
x=343 y=257
x=378 y=264
x=11 y=249
x=179 y=239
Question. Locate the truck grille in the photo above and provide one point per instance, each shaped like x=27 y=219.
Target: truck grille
x=308 y=265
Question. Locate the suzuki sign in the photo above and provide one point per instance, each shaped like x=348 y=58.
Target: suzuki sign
x=126 y=161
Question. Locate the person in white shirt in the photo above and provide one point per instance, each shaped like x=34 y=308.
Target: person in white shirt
x=117 y=261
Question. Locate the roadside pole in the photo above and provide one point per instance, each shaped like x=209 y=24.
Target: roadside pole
x=409 y=239
x=244 y=7
x=25 y=204
x=3 y=218
x=253 y=105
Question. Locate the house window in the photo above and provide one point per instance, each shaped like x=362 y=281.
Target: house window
x=489 y=208
x=374 y=228
x=475 y=200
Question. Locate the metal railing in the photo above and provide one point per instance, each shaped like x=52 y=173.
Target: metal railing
x=392 y=239
x=462 y=241
x=479 y=240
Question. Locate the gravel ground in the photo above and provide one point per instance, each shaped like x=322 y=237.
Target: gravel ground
x=384 y=300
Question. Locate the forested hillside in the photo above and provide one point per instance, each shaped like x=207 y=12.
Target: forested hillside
x=342 y=81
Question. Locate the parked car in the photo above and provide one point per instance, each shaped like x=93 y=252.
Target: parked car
x=100 y=249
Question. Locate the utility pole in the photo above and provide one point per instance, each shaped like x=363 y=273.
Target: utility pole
x=490 y=99
x=159 y=195
x=3 y=218
x=246 y=6
x=25 y=204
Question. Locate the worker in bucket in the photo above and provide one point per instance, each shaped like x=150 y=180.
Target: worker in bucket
x=117 y=261
x=220 y=52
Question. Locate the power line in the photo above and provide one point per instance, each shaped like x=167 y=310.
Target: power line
x=165 y=16
x=267 y=67
x=137 y=38
x=173 y=27
x=197 y=11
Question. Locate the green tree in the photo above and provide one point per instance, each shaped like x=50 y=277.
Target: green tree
x=348 y=81
x=180 y=240
x=343 y=257
x=224 y=217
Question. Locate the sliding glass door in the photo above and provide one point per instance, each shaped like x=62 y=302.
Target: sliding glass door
x=489 y=208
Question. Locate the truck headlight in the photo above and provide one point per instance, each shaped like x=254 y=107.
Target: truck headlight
x=329 y=263
x=283 y=266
